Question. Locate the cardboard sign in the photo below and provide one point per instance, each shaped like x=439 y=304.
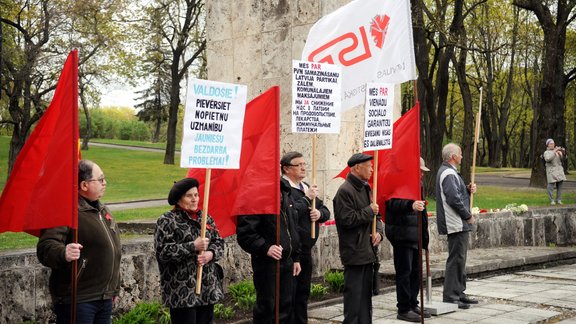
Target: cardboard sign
x=378 y=116
x=213 y=122
x=316 y=92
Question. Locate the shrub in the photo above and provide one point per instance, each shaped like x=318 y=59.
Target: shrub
x=335 y=280
x=243 y=293
x=318 y=291
x=223 y=312
x=145 y=313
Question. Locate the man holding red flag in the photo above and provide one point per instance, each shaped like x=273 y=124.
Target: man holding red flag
x=354 y=212
x=402 y=232
x=98 y=251
x=257 y=234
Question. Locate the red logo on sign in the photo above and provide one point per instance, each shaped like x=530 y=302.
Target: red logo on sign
x=348 y=37
x=379 y=28
x=352 y=47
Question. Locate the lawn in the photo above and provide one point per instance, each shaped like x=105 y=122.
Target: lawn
x=137 y=175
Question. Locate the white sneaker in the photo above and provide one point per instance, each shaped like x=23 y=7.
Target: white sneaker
x=552 y=203
x=559 y=202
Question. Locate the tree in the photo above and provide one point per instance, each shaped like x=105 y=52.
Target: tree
x=554 y=19
x=154 y=100
x=177 y=23
x=435 y=44
x=42 y=33
x=26 y=79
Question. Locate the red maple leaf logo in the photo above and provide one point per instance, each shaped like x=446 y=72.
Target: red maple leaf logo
x=379 y=28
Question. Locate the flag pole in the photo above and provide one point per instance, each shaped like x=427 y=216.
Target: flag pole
x=203 y=227
x=277 y=294
x=313 y=224
x=73 y=282
x=476 y=137
x=75 y=148
x=375 y=190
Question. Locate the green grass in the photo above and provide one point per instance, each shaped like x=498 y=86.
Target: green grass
x=135 y=175
x=160 y=145
x=150 y=214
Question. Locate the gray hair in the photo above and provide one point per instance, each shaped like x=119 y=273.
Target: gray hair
x=448 y=150
x=84 y=170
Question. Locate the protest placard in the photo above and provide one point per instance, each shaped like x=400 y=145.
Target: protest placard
x=213 y=122
x=316 y=92
x=378 y=116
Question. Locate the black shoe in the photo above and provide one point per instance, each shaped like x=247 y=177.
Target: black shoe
x=409 y=316
x=417 y=311
x=469 y=300
x=461 y=305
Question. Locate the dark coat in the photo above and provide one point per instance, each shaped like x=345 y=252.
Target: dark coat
x=257 y=233
x=303 y=205
x=99 y=263
x=177 y=260
x=354 y=217
x=402 y=224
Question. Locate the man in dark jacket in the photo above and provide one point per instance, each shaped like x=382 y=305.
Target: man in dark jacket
x=354 y=212
x=454 y=219
x=402 y=231
x=97 y=252
x=256 y=234
x=294 y=172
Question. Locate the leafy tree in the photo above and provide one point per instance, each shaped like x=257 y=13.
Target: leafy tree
x=180 y=25
x=554 y=18
x=154 y=100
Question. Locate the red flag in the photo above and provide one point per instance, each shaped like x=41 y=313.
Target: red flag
x=399 y=167
x=42 y=190
x=255 y=187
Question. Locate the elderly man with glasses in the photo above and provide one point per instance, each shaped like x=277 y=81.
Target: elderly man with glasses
x=294 y=171
x=97 y=251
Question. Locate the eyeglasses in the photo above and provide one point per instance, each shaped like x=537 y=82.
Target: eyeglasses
x=101 y=180
x=302 y=165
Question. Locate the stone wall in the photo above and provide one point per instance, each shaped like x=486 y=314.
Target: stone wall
x=253 y=42
x=24 y=280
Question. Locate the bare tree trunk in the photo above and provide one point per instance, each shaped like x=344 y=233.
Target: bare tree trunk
x=88 y=134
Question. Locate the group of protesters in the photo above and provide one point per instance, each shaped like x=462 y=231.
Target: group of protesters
x=182 y=251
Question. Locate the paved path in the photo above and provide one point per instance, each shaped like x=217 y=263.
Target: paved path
x=543 y=294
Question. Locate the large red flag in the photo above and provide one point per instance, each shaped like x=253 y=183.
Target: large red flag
x=42 y=190
x=399 y=167
x=254 y=188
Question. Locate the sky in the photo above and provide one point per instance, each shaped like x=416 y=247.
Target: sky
x=120 y=97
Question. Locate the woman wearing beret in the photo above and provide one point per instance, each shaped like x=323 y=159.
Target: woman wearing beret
x=179 y=250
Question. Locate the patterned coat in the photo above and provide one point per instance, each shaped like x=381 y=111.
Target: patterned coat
x=177 y=260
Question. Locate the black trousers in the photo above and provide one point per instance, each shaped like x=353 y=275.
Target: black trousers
x=265 y=283
x=302 y=290
x=192 y=315
x=358 y=294
x=455 y=275
x=407 y=277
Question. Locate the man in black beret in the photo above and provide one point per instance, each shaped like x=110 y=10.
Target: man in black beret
x=354 y=212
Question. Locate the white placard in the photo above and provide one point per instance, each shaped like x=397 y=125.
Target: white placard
x=213 y=122
x=316 y=92
x=378 y=116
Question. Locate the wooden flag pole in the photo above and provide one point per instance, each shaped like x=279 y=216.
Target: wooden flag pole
x=375 y=190
x=203 y=227
x=313 y=224
x=476 y=138
x=74 y=281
